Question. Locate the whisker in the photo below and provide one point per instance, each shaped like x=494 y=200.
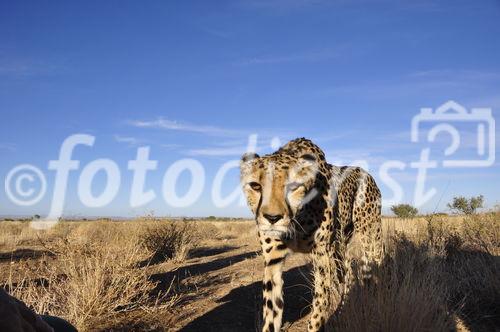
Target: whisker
x=297 y=222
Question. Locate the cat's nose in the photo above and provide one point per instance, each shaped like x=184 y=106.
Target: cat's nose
x=273 y=218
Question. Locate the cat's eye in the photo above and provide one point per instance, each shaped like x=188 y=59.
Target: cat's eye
x=255 y=186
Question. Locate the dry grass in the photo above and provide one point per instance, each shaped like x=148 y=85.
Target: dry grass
x=404 y=297
x=169 y=240
x=438 y=273
x=90 y=275
x=15 y=233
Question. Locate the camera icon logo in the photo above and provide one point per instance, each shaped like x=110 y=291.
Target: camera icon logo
x=451 y=112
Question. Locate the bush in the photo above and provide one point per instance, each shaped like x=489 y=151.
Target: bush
x=466 y=206
x=96 y=282
x=404 y=211
x=170 y=240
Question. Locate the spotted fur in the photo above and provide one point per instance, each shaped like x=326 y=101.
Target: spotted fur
x=303 y=204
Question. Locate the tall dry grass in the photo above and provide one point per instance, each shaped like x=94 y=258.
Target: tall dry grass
x=439 y=274
x=90 y=274
x=169 y=240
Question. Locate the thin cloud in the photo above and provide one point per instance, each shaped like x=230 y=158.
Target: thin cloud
x=487 y=102
x=217 y=152
x=314 y=56
x=8 y=146
x=27 y=67
x=228 y=149
x=15 y=69
x=279 y=5
x=430 y=82
x=166 y=124
x=285 y=6
x=238 y=147
x=130 y=141
x=475 y=75
x=236 y=135
x=384 y=89
x=171 y=146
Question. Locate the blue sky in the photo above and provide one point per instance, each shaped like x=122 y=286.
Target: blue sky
x=193 y=79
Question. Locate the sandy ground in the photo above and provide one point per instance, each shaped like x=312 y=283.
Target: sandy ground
x=227 y=289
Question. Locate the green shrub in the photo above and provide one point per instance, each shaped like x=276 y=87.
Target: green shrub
x=404 y=211
x=467 y=206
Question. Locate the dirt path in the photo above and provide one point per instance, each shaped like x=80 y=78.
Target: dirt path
x=225 y=294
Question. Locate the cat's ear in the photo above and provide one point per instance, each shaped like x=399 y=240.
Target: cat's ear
x=249 y=156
